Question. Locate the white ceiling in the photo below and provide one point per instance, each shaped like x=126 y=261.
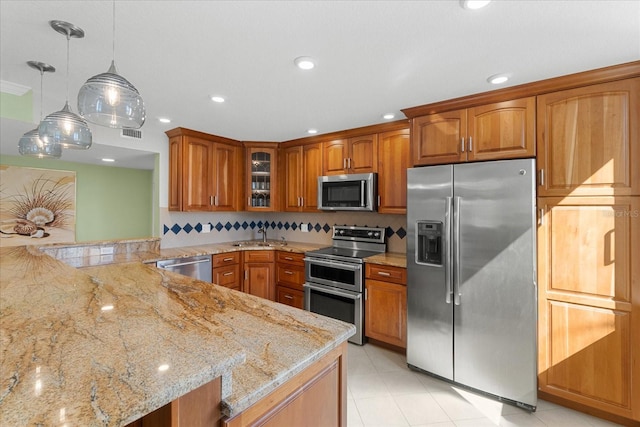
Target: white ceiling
x=373 y=57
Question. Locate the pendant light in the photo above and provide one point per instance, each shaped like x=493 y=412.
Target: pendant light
x=108 y=99
x=64 y=127
x=30 y=144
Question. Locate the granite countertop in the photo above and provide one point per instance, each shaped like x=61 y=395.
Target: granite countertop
x=86 y=347
x=395 y=259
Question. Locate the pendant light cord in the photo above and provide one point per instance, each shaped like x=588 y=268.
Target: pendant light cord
x=41 y=97
x=114 y=31
x=68 y=37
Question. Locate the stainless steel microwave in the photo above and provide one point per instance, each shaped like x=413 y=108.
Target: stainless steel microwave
x=355 y=192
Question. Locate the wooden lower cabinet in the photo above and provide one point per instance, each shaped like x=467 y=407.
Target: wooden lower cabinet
x=386 y=304
x=316 y=397
x=589 y=304
x=290 y=279
x=226 y=270
x=258 y=274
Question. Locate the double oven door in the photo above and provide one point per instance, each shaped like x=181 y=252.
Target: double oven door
x=333 y=288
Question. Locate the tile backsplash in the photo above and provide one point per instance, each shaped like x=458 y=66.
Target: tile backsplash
x=186 y=228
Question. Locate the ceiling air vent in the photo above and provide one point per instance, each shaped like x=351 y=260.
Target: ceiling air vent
x=131 y=133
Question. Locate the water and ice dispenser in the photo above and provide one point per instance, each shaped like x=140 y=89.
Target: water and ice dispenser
x=429 y=242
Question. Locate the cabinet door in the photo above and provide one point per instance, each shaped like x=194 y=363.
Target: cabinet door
x=293 y=171
x=175 y=173
x=291 y=276
x=311 y=170
x=504 y=130
x=439 y=138
x=259 y=280
x=261 y=181
x=227 y=276
x=386 y=312
x=589 y=314
x=291 y=297
x=225 y=168
x=588 y=140
x=363 y=154
x=197 y=181
x=335 y=155
x=393 y=160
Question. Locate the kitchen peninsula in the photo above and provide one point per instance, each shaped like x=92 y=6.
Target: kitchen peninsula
x=107 y=345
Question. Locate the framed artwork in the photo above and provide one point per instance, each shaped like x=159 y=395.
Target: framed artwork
x=37 y=206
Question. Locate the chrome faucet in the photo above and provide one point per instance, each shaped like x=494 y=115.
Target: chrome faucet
x=264 y=234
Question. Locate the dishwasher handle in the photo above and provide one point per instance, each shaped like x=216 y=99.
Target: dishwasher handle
x=180 y=264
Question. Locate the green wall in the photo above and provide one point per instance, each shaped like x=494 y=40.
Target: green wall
x=17 y=107
x=111 y=202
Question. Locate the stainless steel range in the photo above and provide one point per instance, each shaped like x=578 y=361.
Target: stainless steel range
x=335 y=275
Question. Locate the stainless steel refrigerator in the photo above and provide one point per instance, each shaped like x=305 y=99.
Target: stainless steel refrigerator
x=471 y=285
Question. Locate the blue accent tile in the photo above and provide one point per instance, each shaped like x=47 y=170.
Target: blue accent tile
x=388 y=231
x=176 y=228
x=187 y=228
x=260 y=224
x=286 y=226
x=317 y=227
x=236 y=225
x=252 y=225
x=219 y=226
x=294 y=226
x=326 y=228
x=280 y=225
x=401 y=233
x=228 y=226
x=273 y=224
x=245 y=225
x=165 y=229
x=198 y=228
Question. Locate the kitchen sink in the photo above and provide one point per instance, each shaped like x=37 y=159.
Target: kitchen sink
x=255 y=243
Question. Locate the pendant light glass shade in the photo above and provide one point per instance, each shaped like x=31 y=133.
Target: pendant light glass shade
x=30 y=144
x=108 y=99
x=64 y=127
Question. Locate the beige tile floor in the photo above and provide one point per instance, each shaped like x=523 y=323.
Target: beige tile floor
x=382 y=391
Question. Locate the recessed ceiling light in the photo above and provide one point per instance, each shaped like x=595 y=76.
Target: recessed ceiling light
x=218 y=99
x=304 y=62
x=388 y=116
x=474 y=4
x=164 y=120
x=497 y=79
x=108 y=160
x=312 y=131
x=163 y=367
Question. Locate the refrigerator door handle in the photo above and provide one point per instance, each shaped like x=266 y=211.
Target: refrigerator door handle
x=447 y=253
x=456 y=239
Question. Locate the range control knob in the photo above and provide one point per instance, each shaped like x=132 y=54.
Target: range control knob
x=376 y=234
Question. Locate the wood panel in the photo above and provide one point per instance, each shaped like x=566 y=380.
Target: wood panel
x=258 y=256
x=227 y=276
x=197 y=189
x=589 y=304
x=393 y=161
x=291 y=276
x=386 y=312
x=363 y=154
x=290 y=258
x=292 y=176
x=334 y=157
x=386 y=273
x=175 y=173
x=503 y=130
x=225 y=168
x=588 y=140
x=259 y=280
x=228 y=258
x=316 y=397
x=437 y=138
x=311 y=170
x=291 y=297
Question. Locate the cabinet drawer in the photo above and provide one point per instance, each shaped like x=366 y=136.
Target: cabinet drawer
x=290 y=297
x=228 y=258
x=258 y=256
x=290 y=258
x=386 y=273
x=228 y=276
x=292 y=276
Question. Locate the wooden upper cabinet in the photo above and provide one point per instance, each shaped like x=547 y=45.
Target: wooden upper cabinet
x=502 y=130
x=303 y=165
x=438 y=138
x=393 y=161
x=588 y=140
x=349 y=156
x=203 y=170
x=262 y=176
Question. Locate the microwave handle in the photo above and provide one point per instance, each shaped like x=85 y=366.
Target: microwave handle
x=363 y=190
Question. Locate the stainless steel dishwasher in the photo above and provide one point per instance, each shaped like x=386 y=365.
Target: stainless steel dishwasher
x=198 y=267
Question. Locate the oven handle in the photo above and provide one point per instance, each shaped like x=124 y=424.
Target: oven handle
x=337 y=264
x=336 y=292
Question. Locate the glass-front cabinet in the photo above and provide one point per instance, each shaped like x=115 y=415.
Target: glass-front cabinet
x=261 y=176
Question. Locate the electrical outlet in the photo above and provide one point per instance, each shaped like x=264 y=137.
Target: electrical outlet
x=106 y=250
x=304 y=227
x=206 y=228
